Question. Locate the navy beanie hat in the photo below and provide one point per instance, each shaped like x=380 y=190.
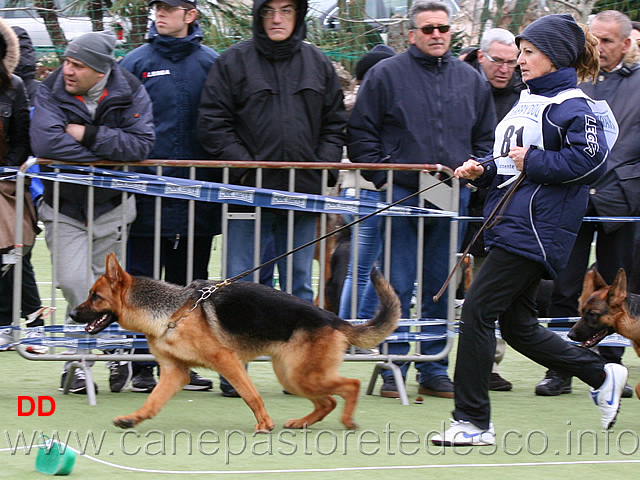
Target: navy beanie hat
x=559 y=37
x=370 y=58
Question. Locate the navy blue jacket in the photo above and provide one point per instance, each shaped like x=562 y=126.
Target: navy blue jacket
x=543 y=217
x=415 y=108
x=173 y=71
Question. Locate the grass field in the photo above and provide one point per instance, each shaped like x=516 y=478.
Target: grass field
x=200 y=434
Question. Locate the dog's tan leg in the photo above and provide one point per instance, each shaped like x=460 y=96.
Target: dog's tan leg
x=172 y=379
x=349 y=390
x=233 y=370
x=318 y=379
x=324 y=406
x=313 y=389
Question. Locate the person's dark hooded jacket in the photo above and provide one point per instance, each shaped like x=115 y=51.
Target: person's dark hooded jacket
x=274 y=101
x=173 y=71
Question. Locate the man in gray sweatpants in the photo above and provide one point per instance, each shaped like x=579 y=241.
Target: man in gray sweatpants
x=89 y=109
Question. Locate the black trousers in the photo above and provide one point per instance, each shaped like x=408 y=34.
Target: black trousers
x=173 y=257
x=30 y=295
x=505 y=289
x=613 y=251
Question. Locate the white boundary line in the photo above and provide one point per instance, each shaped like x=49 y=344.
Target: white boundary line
x=339 y=469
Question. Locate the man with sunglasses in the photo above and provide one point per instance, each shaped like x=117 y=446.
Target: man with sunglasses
x=496 y=60
x=172 y=65
x=274 y=98
x=422 y=106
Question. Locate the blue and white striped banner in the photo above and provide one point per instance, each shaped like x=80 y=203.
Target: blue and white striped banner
x=200 y=190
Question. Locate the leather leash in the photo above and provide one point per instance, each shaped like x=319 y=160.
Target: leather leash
x=493 y=218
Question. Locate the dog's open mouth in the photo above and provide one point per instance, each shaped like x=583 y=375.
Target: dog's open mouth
x=593 y=341
x=101 y=323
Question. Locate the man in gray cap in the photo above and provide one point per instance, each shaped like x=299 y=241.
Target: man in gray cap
x=87 y=110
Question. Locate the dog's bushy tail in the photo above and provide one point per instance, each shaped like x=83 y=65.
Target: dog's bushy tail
x=370 y=334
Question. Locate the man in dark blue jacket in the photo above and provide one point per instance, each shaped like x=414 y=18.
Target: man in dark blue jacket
x=89 y=109
x=172 y=66
x=422 y=106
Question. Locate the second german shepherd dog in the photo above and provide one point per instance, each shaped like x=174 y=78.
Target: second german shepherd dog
x=235 y=324
x=605 y=310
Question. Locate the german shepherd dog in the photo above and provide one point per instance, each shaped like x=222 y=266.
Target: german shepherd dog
x=605 y=310
x=233 y=325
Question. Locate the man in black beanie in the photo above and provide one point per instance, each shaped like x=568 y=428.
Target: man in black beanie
x=87 y=110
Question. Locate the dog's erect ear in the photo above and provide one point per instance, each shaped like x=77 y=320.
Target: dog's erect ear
x=113 y=270
x=598 y=281
x=618 y=290
x=592 y=281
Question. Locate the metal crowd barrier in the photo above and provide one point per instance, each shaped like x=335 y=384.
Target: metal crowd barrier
x=93 y=176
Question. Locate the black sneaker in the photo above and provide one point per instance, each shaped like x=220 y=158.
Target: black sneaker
x=627 y=392
x=229 y=392
x=440 y=386
x=143 y=381
x=197 y=383
x=553 y=384
x=78 y=384
x=120 y=375
x=499 y=384
x=389 y=388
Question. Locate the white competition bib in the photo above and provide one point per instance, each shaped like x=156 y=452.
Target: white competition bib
x=522 y=126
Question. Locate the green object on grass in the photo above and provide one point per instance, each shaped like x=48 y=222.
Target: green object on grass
x=53 y=459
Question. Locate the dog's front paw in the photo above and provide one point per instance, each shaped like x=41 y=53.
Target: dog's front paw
x=265 y=426
x=125 y=422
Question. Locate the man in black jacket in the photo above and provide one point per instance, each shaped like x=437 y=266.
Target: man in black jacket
x=274 y=98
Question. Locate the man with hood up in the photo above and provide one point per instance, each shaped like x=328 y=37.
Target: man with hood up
x=274 y=98
x=172 y=66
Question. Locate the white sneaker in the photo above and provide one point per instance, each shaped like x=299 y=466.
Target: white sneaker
x=607 y=397
x=6 y=338
x=463 y=433
x=35 y=332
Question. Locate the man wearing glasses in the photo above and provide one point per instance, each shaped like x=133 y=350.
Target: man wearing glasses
x=274 y=98
x=496 y=60
x=422 y=106
x=172 y=65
